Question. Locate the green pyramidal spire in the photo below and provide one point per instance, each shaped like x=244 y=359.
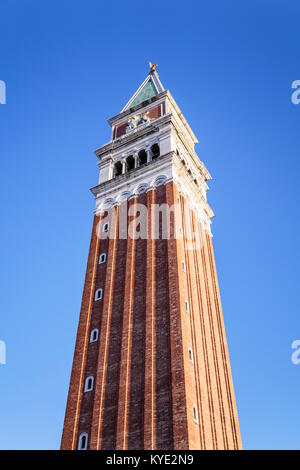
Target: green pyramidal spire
x=150 y=87
x=148 y=91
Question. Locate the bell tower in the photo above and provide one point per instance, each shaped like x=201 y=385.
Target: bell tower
x=151 y=368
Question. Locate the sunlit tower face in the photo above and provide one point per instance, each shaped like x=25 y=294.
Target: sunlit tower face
x=151 y=367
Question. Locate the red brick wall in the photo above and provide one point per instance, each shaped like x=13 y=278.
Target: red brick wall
x=137 y=367
x=69 y=438
x=145 y=386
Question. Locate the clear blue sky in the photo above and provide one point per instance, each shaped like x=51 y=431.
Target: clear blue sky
x=70 y=65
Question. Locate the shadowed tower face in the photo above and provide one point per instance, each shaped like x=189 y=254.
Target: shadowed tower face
x=151 y=367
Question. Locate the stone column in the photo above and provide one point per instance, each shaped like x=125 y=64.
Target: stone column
x=149 y=156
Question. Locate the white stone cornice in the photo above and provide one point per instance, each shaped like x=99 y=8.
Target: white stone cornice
x=165 y=168
x=182 y=118
x=133 y=183
x=138 y=132
x=160 y=126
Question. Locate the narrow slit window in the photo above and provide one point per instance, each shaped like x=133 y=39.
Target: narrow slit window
x=89 y=384
x=83 y=441
x=102 y=258
x=191 y=357
x=94 y=335
x=195 y=413
x=98 y=294
x=187 y=307
x=183 y=267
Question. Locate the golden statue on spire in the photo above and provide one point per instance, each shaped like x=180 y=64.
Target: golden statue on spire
x=152 y=66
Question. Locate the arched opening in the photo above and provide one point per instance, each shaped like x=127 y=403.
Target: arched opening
x=102 y=258
x=98 y=294
x=105 y=227
x=155 y=151
x=94 y=335
x=118 y=169
x=130 y=163
x=142 y=157
x=83 y=441
x=89 y=384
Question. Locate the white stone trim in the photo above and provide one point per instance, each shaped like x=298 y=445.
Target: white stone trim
x=159 y=171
